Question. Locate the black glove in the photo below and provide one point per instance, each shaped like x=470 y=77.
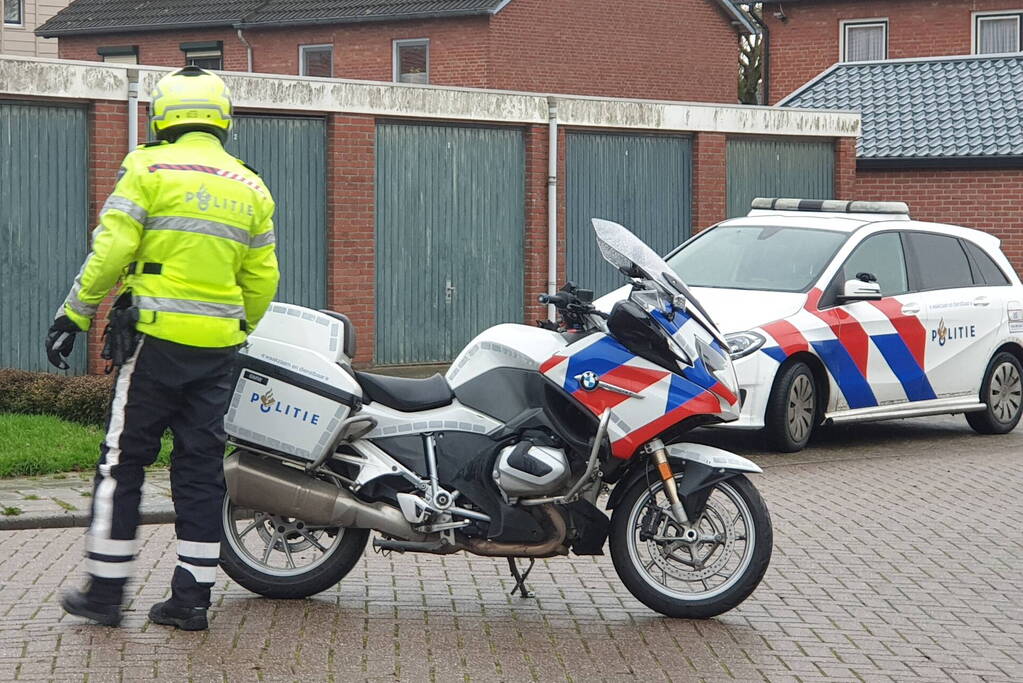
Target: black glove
x=60 y=340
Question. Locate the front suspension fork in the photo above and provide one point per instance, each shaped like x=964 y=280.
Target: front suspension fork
x=660 y=457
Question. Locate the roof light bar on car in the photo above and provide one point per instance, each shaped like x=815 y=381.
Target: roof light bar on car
x=829 y=205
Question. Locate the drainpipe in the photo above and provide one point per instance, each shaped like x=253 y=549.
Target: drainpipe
x=248 y=49
x=133 y=109
x=552 y=203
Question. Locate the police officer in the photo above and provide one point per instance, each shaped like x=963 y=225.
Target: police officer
x=188 y=231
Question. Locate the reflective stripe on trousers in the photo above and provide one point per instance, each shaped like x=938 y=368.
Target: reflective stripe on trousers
x=111 y=558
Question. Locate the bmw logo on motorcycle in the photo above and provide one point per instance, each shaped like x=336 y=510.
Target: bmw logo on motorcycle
x=589 y=380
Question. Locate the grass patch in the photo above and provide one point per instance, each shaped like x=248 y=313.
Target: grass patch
x=31 y=496
x=43 y=444
x=64 y=504
x=10 y=511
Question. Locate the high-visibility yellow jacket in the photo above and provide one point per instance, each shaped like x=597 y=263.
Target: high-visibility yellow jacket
x=189 y=230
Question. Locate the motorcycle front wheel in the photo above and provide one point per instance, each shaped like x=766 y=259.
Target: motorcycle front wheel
x=695 y=579
x=282 y=557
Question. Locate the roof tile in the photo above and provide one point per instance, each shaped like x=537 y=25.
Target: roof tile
x=109 y=16
x=948 y=107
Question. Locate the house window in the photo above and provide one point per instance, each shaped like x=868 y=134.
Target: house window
x=119 y=54
x=997 y=33
x=205 y=55
x=864 y=41
x=14 y=12
x=412 y=61
x=316 y=60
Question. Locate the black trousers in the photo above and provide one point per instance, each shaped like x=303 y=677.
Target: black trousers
x=187 y=389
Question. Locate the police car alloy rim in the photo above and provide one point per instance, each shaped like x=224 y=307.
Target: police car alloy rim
x=697 y=570
x=278 y=546
x=1005 y=393
x=800 y=413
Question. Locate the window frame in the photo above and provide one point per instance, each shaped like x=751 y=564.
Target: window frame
x=204 y=50
x=976 y=269
x=843 y=36
x=314 y=46
x=105 y=51
x=912 y=264
x=977 y=17
x=829 y=299
x=396 y=46
x=21 y=16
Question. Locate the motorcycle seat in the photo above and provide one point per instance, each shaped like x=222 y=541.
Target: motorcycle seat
x=406 y=395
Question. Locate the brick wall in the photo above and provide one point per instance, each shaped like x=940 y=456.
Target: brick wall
x=155 y=48
x=351 y=253
x=364 y=51
x=710 y=179
x=107 y=122
x=654 y=49
x=658 y=49
x=987 y=200
x=808 y=42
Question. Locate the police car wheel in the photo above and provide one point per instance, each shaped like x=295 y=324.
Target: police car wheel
x=792 y=409
x=1002 y=393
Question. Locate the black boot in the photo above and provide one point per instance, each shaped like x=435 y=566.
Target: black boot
x=80 y=604
x=184 y=618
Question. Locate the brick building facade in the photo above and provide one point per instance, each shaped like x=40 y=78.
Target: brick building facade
x=806 y=36
x=944 y=136
x=681 y=50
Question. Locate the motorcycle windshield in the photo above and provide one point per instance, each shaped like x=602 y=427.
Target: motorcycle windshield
x=622 y=249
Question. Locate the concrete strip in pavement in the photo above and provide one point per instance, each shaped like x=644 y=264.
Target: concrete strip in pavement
x=64 y=500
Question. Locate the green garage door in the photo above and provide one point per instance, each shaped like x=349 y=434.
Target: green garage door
x=450 y=216
x=44 y=225
x=290 y=155
x=643 y=182
x=778 y=168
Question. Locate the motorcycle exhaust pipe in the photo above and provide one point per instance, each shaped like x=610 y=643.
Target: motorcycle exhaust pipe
x=549 y=548
x=267 y=485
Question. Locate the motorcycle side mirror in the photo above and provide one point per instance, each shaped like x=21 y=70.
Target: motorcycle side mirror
x=632 y=271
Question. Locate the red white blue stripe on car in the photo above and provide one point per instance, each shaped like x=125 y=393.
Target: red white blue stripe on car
x=846 y=349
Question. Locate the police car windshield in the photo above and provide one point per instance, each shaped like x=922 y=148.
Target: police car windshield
x=771 y=258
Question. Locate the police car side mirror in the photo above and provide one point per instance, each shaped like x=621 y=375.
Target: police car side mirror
x=858 y=290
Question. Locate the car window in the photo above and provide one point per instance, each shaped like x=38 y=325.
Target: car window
x=985 y=270
x=776 y=259
x=939 y=261
x=881 y=256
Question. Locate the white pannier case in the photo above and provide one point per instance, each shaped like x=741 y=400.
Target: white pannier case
x=294 y=386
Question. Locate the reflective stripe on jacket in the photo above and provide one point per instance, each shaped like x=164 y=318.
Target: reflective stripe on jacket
x=189 y=229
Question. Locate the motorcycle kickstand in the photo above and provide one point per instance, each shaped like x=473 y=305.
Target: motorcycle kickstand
x=520 y=578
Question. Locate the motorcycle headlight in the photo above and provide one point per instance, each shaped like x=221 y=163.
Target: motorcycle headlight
x=742 y=344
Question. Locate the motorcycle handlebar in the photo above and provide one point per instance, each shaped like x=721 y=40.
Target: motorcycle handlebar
x=559 y=300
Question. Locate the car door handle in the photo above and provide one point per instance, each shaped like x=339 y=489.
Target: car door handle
x=981 y=301
x=911 y=309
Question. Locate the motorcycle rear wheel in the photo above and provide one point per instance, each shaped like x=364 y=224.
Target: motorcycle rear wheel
x=695 y=580
x=284 y=558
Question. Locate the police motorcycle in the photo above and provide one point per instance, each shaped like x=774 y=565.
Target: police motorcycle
x=508 y=455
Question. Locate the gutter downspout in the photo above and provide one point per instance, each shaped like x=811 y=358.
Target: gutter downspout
x=766 y=73
x=133 y=109
x=552 y=203
x=248 y=49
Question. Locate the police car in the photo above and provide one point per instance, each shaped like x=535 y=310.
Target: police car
x=842 y=311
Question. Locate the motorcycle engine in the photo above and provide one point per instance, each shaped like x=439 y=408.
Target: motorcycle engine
x=526 y=469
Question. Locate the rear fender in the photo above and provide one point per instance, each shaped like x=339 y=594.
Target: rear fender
x=703 y=467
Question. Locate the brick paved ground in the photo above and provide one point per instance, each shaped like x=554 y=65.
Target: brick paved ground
x=899 y=555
